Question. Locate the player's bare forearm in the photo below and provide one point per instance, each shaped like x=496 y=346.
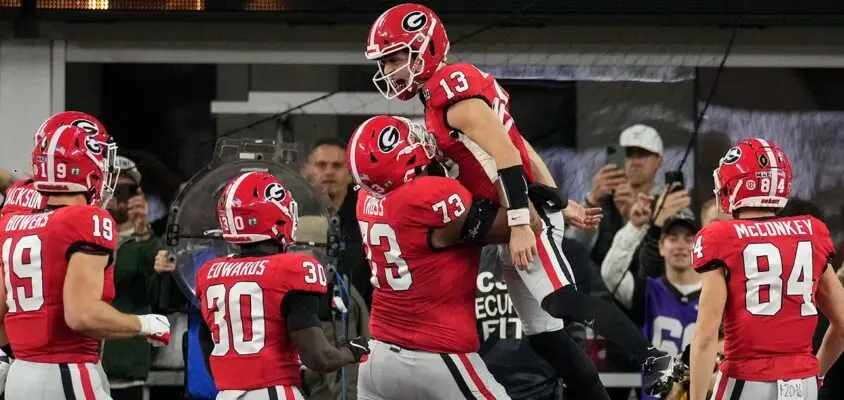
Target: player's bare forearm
x=540 y=170
x=83 y=310
x=317 y=354
x=713 y=298
x=831 y=348
x=499 y=232
x=4 y=338
x=479 y=123
x=101 y=321
x=830 y=298
x=703 y=354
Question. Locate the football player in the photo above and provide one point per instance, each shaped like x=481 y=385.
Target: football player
x=765 y=275
x=423 y=309
x=261 y=304
x=468 y=114
x=22 y=196
x=57 y=267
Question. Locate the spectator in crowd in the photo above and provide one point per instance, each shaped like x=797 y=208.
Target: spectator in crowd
x=326 y=170
x=615 y=191
x=127 y=361
x=616 y=187
x=667 y=205
x=654 y=302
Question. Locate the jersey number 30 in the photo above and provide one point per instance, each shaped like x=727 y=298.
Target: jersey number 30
x=233 y=327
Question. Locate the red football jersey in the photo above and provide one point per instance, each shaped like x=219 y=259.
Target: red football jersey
x=35 y=250
x=22 y=196
x=773 y=269
x=240 y=300
x=461 y=81
x=424 y=299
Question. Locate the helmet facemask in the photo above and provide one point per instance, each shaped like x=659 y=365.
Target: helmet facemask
x=110 y=172
x=415 y=65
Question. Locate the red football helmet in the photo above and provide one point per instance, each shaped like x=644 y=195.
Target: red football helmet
x=416 y=29
x=71 y=160
x=386 y=151
x=754 y=173
x=255 y=207
x=76 y=118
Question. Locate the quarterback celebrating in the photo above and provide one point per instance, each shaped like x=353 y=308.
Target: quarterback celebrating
x=261 y=304
x=765 y=275
x=467 y=112
x=423 y=308
x=57 y=264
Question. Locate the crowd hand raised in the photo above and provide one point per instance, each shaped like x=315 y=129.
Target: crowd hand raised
x=640 y=213
x=163 y=263
x=605 y=182
x=669 y=204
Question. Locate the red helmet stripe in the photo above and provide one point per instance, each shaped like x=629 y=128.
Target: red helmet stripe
x=772 y=160
x=230 y=200
x=50 y=152
x=353 y=146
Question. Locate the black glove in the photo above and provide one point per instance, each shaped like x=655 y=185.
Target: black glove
x=358 y=346
x=546 y=196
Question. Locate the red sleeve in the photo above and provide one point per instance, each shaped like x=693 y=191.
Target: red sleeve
x=301 y=272
x=705 y=253
x=438 y=201
x=823 y=240
x=89 y=229
x=459 y=82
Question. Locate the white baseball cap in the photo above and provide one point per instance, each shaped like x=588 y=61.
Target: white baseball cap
x=129 y=168
x=641 y=136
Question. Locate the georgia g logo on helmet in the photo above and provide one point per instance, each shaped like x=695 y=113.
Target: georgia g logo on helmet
x=86 y=125
x=414 y=21
x=93 y=145
x=275 y=192
x=732 y=156
x=388 y=139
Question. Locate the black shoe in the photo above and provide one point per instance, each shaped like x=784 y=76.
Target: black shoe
x=661 y=372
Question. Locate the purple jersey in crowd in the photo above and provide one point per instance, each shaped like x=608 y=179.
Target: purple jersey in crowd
x=670 y=317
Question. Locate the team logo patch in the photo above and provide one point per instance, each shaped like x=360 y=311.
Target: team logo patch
x=275 y=192
x=93 y=145
x=252 y=221
x=44 y=144
x=86 y=125
x=763 y=160
x=414 y=21
x=388 y=139
x=732 y=156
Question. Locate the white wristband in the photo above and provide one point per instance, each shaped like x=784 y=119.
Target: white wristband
x=519 y=216
x=144 y=325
